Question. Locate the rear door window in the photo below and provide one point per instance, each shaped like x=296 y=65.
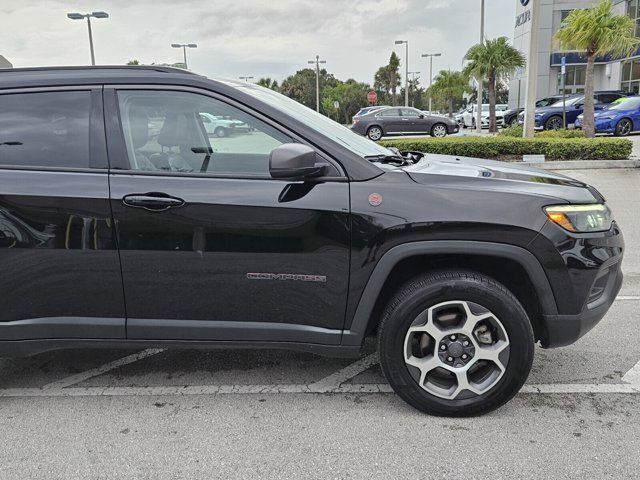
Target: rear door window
x=391 y=112
x=45 y=129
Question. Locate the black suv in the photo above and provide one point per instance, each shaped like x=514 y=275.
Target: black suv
x=124 y=223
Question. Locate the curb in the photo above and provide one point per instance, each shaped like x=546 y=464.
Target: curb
x=583 y=164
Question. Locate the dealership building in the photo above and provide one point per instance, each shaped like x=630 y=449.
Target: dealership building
x=609 y=74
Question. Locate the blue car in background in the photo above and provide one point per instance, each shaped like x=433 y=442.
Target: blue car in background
x=550 y=118
x=620 y=118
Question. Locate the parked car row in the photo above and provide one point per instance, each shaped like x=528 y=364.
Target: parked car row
x=550 y=117
x=620 y=118
x=385 y=121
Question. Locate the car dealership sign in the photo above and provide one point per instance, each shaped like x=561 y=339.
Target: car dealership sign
x=523 y=18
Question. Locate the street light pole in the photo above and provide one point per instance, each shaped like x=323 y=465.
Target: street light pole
x=479 y=80
x=406 y=70
x=430 y=56
x=80 y=16
x=184 y=47
x=317 y=61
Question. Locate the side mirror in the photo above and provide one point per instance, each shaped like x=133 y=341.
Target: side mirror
x=294 y=161
x=421 y=115
x=598 y=107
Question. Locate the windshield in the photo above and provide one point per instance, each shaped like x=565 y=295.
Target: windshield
x=359 y=145
x=569 y=101
x=626 y=104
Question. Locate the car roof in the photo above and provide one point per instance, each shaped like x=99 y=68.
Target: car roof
x=86 y=75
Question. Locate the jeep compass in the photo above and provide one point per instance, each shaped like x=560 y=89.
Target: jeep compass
x=126 y=222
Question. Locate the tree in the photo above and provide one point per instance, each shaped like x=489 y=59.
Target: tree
x=450 y=86
x=268 y=83
x=597 y=32
x=387 y=78
x=133 y=62
x=351 y=97
x=493 y=60
x=302 y=86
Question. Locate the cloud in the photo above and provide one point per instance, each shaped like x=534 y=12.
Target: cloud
x=257 y=37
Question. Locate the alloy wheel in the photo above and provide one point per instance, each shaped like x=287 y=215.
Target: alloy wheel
x=554 y=123
x=624 y=127
x=439 y=131
x=375 y=133
x=456 y=350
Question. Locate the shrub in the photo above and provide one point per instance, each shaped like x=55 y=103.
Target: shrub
x=506 y=148
x=513 y=131
x=562 y=133
x=517 y=131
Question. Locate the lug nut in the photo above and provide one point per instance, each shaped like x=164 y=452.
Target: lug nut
x=449 y=359
x=452 y=337
x=464 y=356
x=443 y=347
x=465 y=343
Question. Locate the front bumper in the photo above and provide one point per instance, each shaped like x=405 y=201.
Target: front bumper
x=562 y=330
x=585 y=279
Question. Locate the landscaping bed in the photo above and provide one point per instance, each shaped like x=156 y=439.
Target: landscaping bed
x=512 y=148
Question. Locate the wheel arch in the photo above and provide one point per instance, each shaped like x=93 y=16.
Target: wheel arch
x=515 y=267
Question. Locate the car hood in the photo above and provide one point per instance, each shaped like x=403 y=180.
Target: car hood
x=543 y=110
x=490 y=175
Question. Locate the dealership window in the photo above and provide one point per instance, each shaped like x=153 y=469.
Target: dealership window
x=633 y=8
x=575 y=79
x=631 y=76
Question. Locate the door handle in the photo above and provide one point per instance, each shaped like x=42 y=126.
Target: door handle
x=153 y=201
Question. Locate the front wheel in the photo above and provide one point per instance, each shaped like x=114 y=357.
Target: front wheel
x=220 y=132
x=553 y=123
x=374 y=133
x=513 y=122
x=624 y=128
x=455 y=343
x=439 y=130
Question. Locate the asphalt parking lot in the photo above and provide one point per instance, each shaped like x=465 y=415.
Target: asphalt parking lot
x=229 y=414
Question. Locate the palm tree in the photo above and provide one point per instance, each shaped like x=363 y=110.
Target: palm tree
x=268 y=83
x=493 y=60
x=387 y=77
x=597 y=32
x=449 y=86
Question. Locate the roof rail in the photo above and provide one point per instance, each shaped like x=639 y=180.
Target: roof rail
x=155 y=68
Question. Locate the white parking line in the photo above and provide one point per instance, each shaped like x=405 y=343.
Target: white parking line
x=627 y=297
x=94 y=372
x=191 y=390
x=633 y=375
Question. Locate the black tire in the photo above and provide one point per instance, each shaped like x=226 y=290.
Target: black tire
x=513 y=122
x=431 y=289
x=624 y=128
x=220 y=132
x=375 y=133
x=553 y=123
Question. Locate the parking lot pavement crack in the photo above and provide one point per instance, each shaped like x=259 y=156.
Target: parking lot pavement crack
x=335 y=380
x=94 y=372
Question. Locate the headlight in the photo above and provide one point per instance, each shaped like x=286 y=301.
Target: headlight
x=581 y=218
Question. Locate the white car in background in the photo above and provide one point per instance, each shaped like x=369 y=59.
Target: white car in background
x=469 y=115
x=220 y=126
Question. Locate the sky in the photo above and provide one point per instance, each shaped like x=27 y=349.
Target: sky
x=259 y=38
